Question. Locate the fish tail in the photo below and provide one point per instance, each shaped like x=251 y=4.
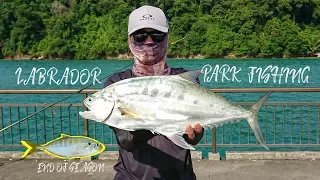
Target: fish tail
x=31 y=148
x=253 y=120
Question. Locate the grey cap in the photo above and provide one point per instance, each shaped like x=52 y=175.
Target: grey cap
x=147 y=17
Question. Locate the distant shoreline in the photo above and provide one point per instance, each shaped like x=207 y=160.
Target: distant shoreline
x=130 y=57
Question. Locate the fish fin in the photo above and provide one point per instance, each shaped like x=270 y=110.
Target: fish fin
x=92 y=116
x=128 y=113
x=31 y=148
x=191 y=75
x=178 y=139
x=64 y=135
x=206 y=127
x=253 y=120
x=258 y=105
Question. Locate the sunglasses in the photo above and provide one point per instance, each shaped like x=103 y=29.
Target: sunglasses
x=141 y=35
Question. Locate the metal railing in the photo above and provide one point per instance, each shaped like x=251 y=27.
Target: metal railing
x=283 y=124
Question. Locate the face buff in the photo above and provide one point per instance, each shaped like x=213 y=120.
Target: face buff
x=149 y=58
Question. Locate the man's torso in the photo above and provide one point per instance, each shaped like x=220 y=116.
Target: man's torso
x=159 y=158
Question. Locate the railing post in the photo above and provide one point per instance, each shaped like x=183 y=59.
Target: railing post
x=86 y=124
x=214 y=140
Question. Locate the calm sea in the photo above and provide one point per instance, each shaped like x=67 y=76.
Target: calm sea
x=218 y=73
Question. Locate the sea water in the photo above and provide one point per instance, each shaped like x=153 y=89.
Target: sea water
x=217 y=73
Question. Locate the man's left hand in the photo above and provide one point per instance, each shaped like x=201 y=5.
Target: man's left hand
x=191 y=131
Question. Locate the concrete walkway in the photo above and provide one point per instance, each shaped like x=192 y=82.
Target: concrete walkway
x=32 y=169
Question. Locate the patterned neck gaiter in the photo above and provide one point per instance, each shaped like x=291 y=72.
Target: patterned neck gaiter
x=149 y=58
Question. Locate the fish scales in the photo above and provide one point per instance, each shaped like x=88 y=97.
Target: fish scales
x=66 y=146
x=161 y=102
x=166 y=104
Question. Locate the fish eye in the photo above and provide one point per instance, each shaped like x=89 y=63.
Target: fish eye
x=89 y=143
x=89 y=99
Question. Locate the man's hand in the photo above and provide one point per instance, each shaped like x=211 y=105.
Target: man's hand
x=191 y=132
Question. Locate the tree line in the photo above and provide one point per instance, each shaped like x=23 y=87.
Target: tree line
x=96 y=29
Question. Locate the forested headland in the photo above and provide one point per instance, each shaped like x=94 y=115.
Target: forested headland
x=97 y=29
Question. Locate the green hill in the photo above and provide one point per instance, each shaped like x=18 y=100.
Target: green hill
x=95 y=29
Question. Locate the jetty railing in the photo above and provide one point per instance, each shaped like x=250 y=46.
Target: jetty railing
x=283 y=124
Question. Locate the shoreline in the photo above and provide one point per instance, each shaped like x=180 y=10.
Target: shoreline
x=130 y=57
x=169 y=59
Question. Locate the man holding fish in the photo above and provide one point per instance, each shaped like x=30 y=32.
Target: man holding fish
x=144 y=155
x=151 y=108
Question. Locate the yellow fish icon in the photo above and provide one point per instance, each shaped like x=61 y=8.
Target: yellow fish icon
x=67 y=147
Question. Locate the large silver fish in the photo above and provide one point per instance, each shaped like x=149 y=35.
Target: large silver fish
x=165 y=105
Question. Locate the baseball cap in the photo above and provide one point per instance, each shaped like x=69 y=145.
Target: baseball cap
x=147 y=17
